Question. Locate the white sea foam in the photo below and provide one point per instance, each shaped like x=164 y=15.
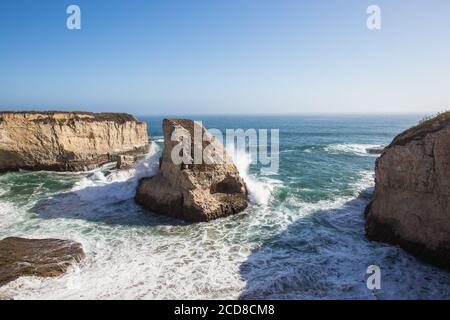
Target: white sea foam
x=295 y=249
x=6 y=208
x=121 y=184
x=219 y=259
x=351 y=148
x=260 y=190
x=158 y=139
x=9 y=216
x=323 y=254
x=4 y=190
x=118 y=184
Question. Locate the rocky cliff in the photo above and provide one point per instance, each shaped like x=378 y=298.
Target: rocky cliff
x=68 y=141
x=193 y=192
x=411 y=204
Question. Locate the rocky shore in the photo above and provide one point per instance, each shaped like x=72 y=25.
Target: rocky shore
x=411 y=204
x=68 y=141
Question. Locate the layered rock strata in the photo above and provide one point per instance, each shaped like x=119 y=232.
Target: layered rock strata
x=68 y=141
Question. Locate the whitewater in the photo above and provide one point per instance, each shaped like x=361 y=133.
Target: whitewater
x=302 y=236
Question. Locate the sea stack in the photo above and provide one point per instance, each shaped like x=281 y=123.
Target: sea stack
x=411 y=204
x=193 y=191
x=68 y=141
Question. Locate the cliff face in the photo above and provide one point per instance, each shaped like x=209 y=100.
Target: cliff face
x=193 y=192
x=411 y=205
x=68 y=141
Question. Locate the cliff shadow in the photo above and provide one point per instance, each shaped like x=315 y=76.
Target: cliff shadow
x=110 y=204
x=325 y=255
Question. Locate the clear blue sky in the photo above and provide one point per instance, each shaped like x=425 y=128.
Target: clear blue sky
x=225 y=56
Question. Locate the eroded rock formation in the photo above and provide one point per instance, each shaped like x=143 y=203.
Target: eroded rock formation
x=68 y=141
x=36 y=257
x=411 y=204
x=125 y=162
x=193 y=192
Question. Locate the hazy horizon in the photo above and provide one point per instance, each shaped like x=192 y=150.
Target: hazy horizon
x=262 y=114
x=226 y=57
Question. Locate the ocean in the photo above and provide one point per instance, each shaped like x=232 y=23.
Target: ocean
x=302 y=237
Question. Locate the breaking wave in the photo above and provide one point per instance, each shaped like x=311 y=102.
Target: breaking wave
x=351 y=148
x=260 y=189
x=117 y=185
x=302 y=237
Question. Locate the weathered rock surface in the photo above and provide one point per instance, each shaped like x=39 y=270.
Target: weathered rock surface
x=411 y=204
x=125 y=162
x=68 y=141
x=36 y=257
x=193 y=192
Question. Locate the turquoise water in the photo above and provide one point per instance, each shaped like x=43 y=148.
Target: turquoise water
x=302 y=239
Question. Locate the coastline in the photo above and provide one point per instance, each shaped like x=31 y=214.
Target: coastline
x=309 y=235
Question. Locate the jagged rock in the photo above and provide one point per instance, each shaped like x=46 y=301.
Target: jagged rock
x=374 y=150
x=411 y=203
x=125 y=162
x=68 y=141
x=193 y=192
x=36 y=257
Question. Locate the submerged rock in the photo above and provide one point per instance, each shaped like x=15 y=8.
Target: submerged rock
x=193 y=192
x=68 y=141
x=411 y=204
x=375 y=150
x=36 y=257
